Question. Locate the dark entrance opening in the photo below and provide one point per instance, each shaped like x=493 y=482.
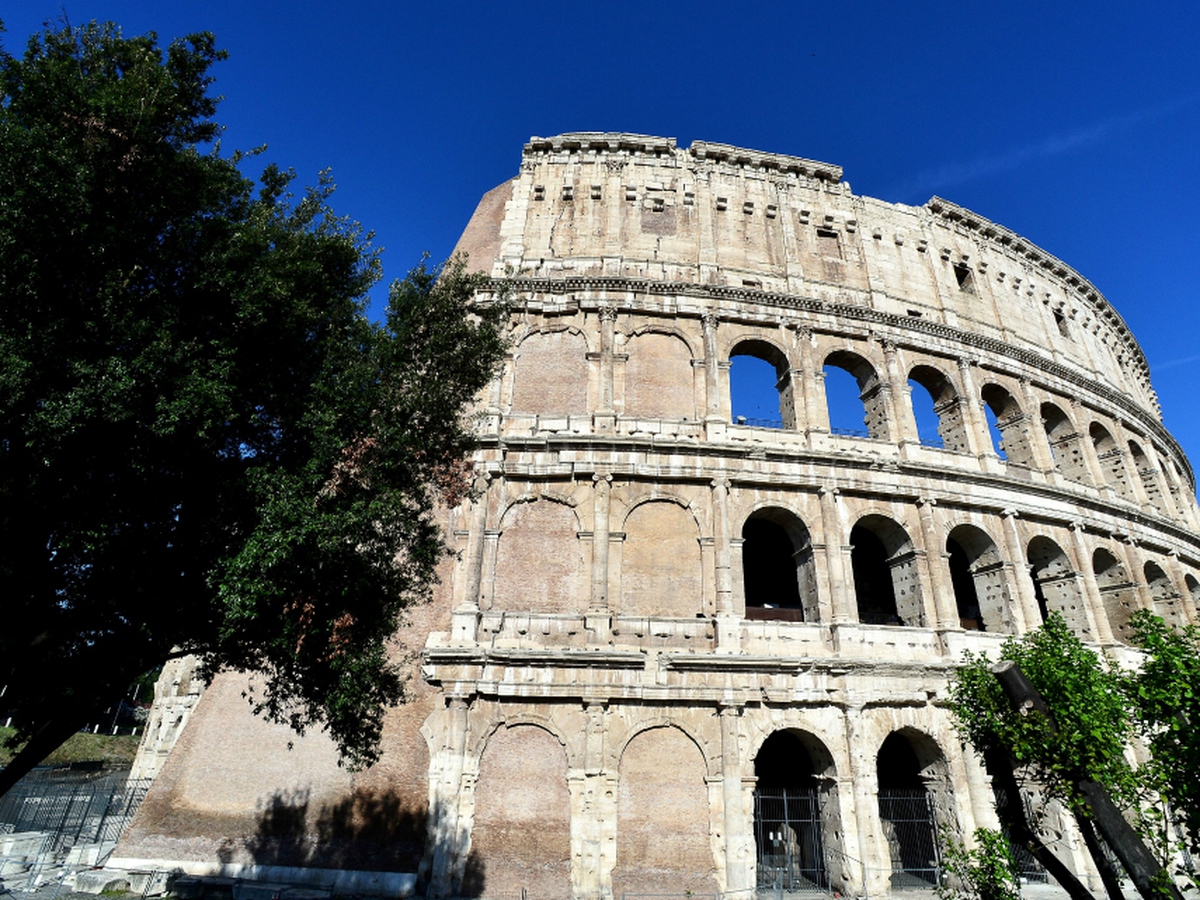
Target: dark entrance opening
x=872 y=579
x=907 y=815
x=787 y=817
x=965 y=595
x=769 y=568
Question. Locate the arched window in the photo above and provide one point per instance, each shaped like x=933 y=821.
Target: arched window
x=1056 y=585
x=885 y=575
x=760 y=386
x=907 y=811
x=1117 y=592
x=870 y=396
x=1010 y=422
x=937 y=409
x=793 y=811
x=1193 y=586
x=1163 y=595
x=777 y=567
x=978 y=575
x=1142 y=465
x=1065 y=446
x=1112 y=461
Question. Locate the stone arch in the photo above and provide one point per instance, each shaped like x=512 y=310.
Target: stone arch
x=1011 y=422
x=710 y=753
x=521 y=830
x=778 y=569
x=1056 y=585
x=947 y=406
x=659 y=378
x=1065 y=446
x=1163 y=595
x=550 y=373
x=977 y=573
x=1112 y=460
x=797 y=820
x=1117 y=591
x=1146 y=473
x=508 y=719
x=663 y=827
x=756 y=380
x=916 y=802
x=884 y=565
x=661 y=569
x=540 y=564
x=1193 y=589
x=871 y=390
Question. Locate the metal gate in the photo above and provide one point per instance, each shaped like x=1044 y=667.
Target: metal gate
x=787 y=829
x=911 y=836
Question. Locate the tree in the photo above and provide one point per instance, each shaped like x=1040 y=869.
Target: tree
x=1068 y=733
x=205 y=445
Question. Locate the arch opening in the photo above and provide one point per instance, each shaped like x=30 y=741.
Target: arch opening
x=906 y=812
x=977 y=574
x=778 y=570
x=1193 y=587
x=761 y=393
x=1056 y=585
x=1065 y=446
x=1010 y=422
x=1117 y=592
x=886 y=584
x=870 y=396
x=1163 y=595
x=1147 y=474
x=1112 y=462
x=938 y=410
x=794 y=812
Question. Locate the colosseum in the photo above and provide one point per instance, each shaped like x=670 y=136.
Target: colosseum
x=682 y=649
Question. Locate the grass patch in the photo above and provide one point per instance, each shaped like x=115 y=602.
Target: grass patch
x=82 y=747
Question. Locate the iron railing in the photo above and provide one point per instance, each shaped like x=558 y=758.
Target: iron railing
x=787 y=830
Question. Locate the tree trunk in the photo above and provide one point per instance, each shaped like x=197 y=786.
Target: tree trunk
x=48 y=737
x=1108 y=874
x=1143 y=869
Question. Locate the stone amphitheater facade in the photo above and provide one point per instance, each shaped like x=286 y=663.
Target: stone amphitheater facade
x=661 y=622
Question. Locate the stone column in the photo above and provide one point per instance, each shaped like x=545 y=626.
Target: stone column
x=1136 y=566
x=1179 y=578
x=875 y=860
x=1094 y=603
x=816 y=416
x=605 y=416
x=466 y=617
x=598 y=623
x=714 y=422
x=945 y=604
x=904 y=429
x=591 y=869
x=728 y=630
x=446 y=850
x=1016 y=553
x=831 y=525
x=1039 y=441
x=979 y=440
x=737 y=861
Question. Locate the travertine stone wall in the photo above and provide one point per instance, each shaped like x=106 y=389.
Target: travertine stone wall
x=600 y=670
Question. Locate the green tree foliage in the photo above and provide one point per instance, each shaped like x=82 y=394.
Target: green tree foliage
x=1165 y=697
x=205 y=445
x=988 y=871
x=1096 y=711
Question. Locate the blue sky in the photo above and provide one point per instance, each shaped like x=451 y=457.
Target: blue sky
x=1076 y=125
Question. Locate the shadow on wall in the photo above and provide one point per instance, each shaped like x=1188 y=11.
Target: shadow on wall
x=369 y=830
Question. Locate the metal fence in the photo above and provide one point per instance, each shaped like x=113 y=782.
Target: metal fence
x=912 y=839
x=73 y=806
x=787 y=830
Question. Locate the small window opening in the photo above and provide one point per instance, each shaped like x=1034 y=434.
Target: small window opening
x=630 y=192
x=1061 y=321
x=568 y=194
x=657 y=204
x=595 y=192
x=722 y=202
x=827 y=243
x=539 y=192
x=966 y=281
